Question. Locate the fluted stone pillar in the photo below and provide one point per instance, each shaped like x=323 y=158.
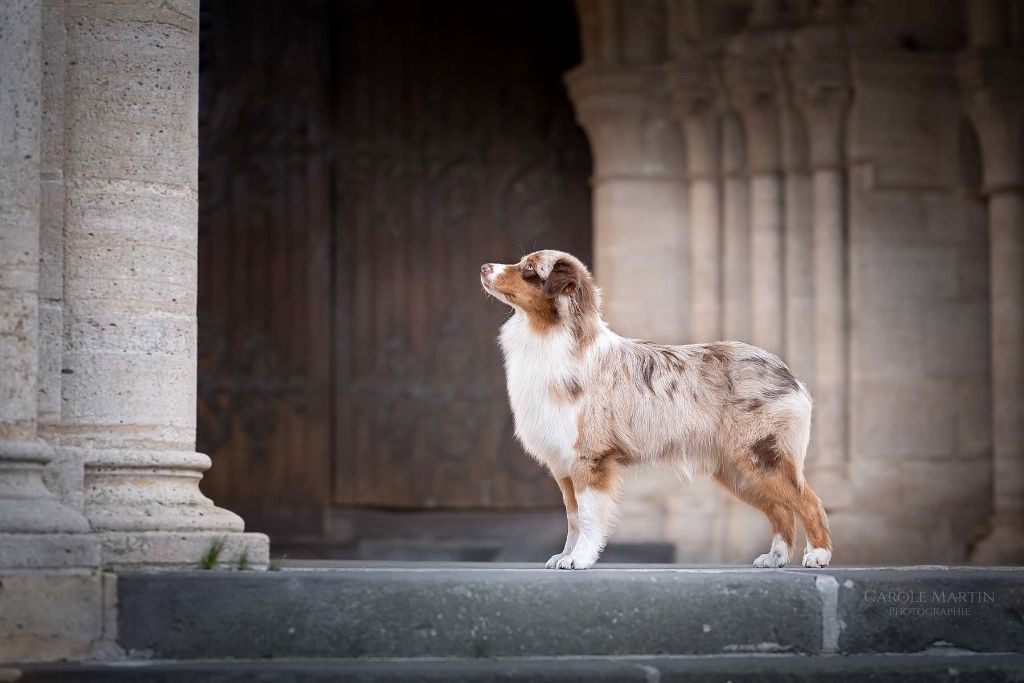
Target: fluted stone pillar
x=64 y=475
x=689 y=77
x=992 y=77
x=751 y=72
x=640 y=240
x=735 y=232
x=128 y=393
x=36 y=529
x=819 y=74
x=798 y=247
x=742 y=531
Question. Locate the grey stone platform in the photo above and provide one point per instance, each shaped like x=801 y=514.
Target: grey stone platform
x=396 y=621
x=699 y=669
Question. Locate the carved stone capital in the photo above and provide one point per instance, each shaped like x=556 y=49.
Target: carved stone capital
x=757 y=90
x=993 y=84
x=824 y=113
x=691 y=81
x=819 y=74
x=628 y=118
x=698 y=99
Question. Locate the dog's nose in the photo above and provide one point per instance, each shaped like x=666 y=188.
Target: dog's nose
x=486 y=269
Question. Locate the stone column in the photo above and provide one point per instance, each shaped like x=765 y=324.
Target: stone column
x=798 y=247
x=689 y=77
x=735 y=231
x=36 y=530
x=751 y=73
x=64 y=475
x=820 y=79
x=128 y=402
x=992 y=77
x=640 y=240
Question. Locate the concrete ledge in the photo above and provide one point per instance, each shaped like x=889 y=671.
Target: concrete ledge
x=700 y=669
x=183 y=549
x=478 y=611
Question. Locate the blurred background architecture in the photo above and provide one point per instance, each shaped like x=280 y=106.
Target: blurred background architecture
x=837 y=181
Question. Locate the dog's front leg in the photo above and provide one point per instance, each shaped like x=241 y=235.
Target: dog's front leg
x=596 y=485
x=572 y=518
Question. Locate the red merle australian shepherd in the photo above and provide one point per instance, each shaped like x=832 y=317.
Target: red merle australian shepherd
x=588 y=404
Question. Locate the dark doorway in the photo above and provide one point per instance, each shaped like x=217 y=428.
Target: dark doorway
x=358 y=161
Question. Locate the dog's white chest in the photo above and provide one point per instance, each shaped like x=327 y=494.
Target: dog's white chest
x=546 y=426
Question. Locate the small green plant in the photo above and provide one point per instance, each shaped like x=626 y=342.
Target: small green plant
x=108 y=569
x=275 y=563
x=212 y=554
x=243 y=561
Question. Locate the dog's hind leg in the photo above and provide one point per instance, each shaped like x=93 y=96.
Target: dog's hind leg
x=780 y=517
x=819 y=539
x=769 y=473
x=572 y=518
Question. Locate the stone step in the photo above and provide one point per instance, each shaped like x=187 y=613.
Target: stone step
x=962 y=668
x=481 y=611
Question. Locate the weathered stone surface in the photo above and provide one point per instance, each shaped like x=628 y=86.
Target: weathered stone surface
x=183 y=549
x=48 y=550
x=49 y=615
x=391 y=610
x=26 y=506
x=468 y=612
x=745 y=669
x=913 y=610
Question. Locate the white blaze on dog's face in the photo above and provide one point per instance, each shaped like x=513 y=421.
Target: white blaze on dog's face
x=536 y=283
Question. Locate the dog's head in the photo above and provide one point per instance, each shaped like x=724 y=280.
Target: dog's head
x=551 y=287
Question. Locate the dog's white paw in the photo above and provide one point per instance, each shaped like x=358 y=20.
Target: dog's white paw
x=553 y=562
x=817 y=557
x=572 y=562
x=772 y=558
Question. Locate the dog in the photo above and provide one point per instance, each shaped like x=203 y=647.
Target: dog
x=588 y=404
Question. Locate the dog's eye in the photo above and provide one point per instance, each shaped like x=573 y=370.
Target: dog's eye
x=529 y=271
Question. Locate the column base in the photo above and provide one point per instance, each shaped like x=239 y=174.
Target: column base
x=1003 y=546
x=48 y=551
x=134 y=491
x=26 y=505
x=146 y=510
x=184 y=550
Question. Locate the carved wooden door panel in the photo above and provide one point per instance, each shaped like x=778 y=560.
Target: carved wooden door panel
x=454 y=145
x=265 y=220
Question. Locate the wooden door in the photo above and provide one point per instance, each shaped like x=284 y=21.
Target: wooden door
x=456 y=145
x=265 y=267
x=359 y=160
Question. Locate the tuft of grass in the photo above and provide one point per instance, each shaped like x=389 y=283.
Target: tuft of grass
x=212 y=554
x=243 y=561
x=275 y=563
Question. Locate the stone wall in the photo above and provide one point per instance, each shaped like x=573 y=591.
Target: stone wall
x=834 y=204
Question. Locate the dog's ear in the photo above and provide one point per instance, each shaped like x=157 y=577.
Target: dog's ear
x=563 y=279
